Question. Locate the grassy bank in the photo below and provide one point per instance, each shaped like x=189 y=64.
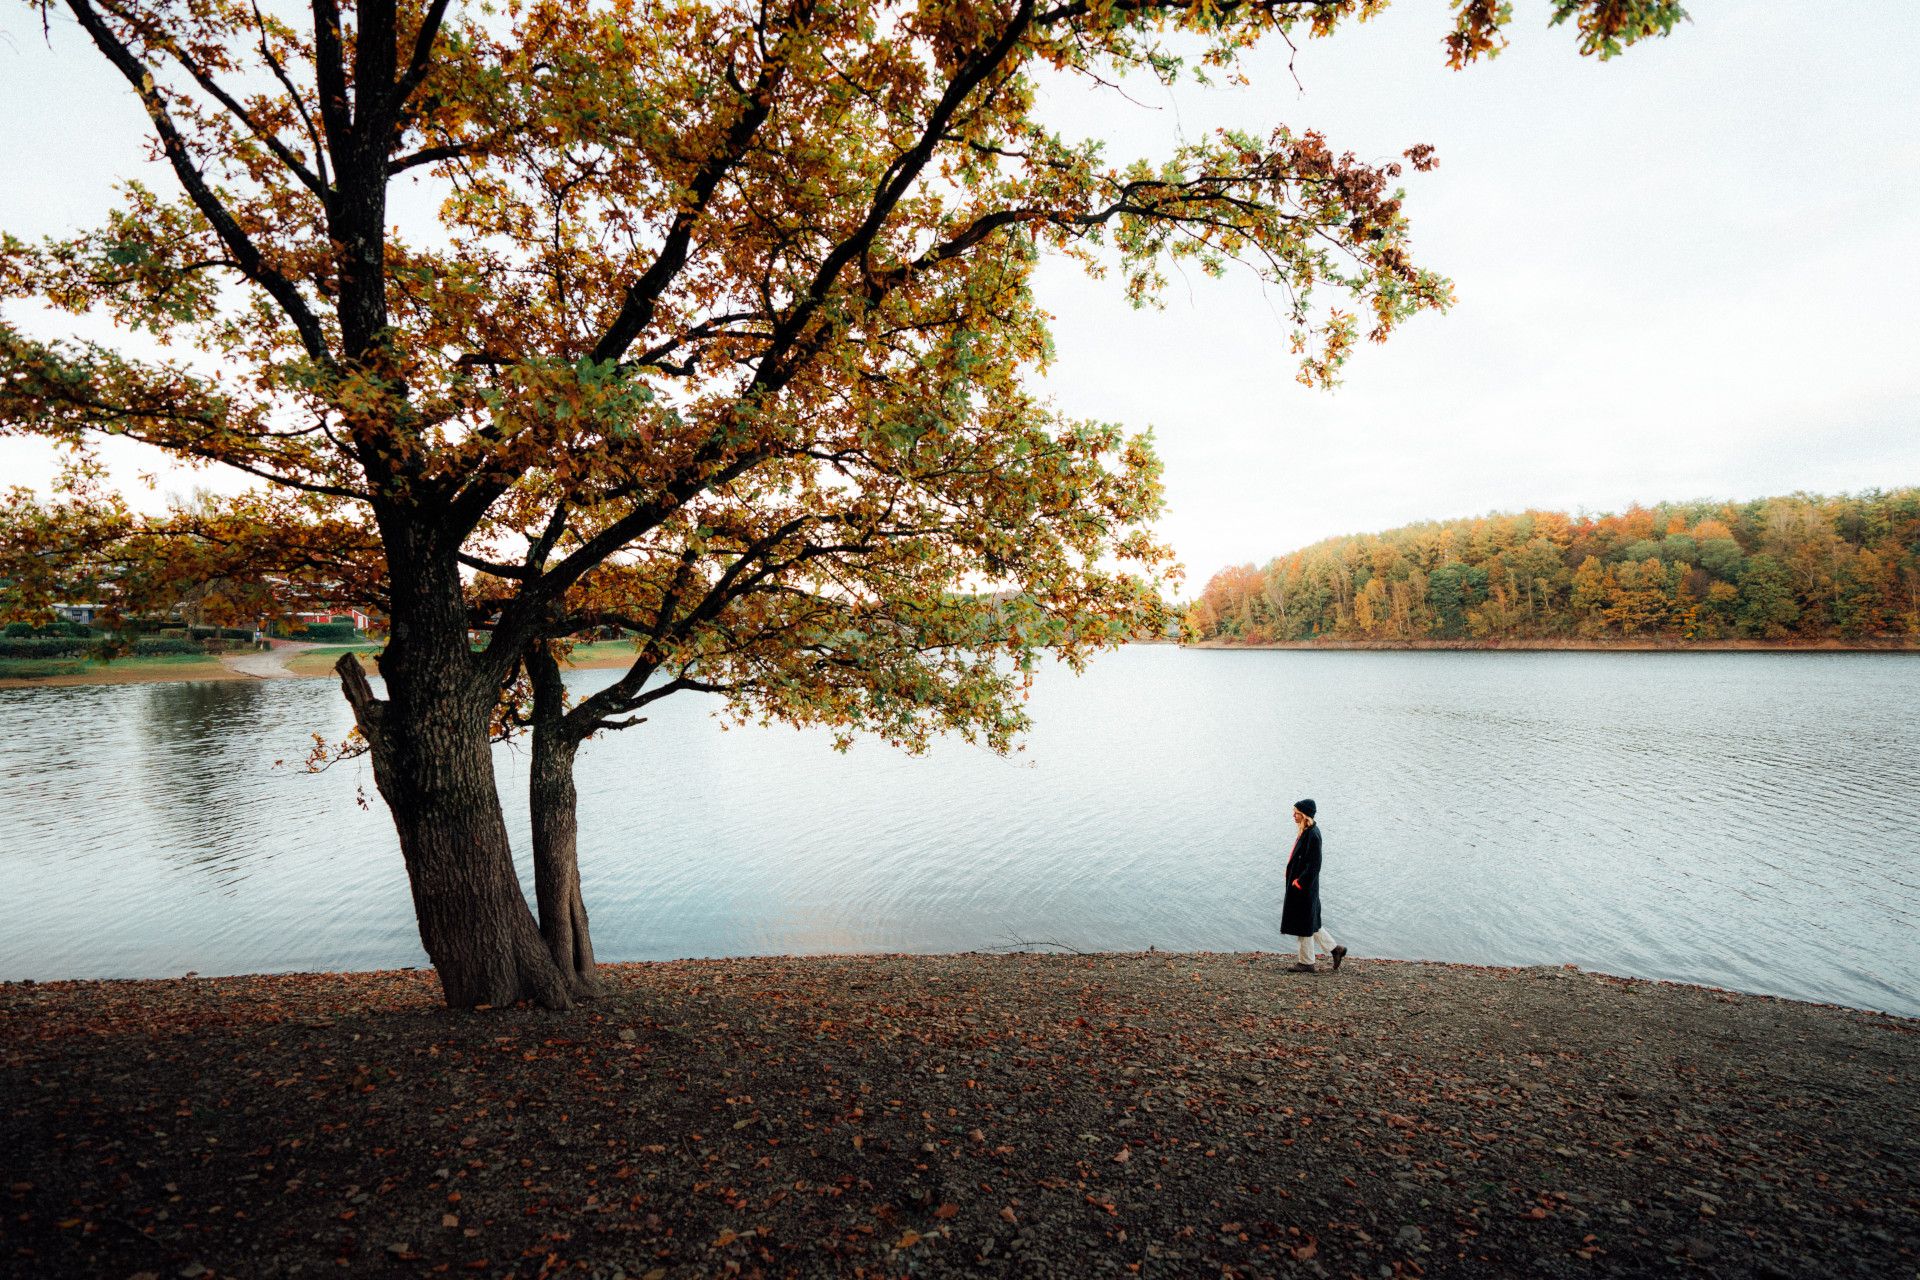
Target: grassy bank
x=602 y=653
x=314 y=662
x=18 y=673
x=1160 y=1115
x=319 y=662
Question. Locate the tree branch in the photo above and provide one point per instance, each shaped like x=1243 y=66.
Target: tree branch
x=428 y=155
x=643 y=296
x=293 y=95
x=330 y=72
x=308 y=178
x=419 y=63
x=492 y=567
x=239 y=244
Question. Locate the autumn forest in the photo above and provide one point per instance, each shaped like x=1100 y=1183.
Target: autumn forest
x=1795 y=569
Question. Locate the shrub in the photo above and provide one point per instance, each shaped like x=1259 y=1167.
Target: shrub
x=45 y=647
x=58 y=629
x=164 y=646
x=330 y=632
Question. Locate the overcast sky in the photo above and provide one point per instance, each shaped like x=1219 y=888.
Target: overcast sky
x=1688 y=272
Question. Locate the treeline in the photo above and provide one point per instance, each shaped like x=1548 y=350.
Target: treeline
x=1799 y=568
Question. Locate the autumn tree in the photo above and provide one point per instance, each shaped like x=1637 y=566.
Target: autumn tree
x=721 y=318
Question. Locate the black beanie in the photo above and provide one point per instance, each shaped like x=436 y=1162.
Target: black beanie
x=1304 y=806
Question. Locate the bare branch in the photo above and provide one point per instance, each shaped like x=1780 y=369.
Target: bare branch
x=489 y=566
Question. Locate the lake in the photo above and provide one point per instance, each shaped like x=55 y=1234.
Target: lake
x=1743 y=820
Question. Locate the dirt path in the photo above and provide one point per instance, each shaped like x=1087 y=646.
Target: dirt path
x=267 y=664
x=1022 y=1116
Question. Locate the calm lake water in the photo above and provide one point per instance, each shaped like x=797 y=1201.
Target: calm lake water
x=1745 y=820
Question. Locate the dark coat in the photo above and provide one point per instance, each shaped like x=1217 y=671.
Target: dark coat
x=1300 y=913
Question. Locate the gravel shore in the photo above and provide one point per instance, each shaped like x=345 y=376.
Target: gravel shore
x=1015 y=1115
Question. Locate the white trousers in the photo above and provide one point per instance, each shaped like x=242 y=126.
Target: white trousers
x=1322 y=938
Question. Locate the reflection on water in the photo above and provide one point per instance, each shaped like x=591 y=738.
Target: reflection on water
x=1740 y=819
x=198 y=735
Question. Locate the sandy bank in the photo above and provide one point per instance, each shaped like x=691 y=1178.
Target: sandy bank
x=129 y=671
x=1160 y=1115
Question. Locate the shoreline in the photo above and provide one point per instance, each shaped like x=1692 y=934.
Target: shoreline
x=1023 y=1114
x=214 y=670
x=1032 y=949
x=1569 y=646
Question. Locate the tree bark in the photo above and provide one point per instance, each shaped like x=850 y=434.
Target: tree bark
x=432 y=758
x=556 y=830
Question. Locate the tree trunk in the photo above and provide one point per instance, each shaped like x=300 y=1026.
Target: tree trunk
x=433 y=763
x=556 y=830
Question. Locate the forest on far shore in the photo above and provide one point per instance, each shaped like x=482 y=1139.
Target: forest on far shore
x=1802 y=568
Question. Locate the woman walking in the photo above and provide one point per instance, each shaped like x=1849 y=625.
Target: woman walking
x=1300 y=911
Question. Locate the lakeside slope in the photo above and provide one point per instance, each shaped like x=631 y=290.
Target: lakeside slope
x=1020 y=1115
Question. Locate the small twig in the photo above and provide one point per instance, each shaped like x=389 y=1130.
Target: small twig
x=1018 y=944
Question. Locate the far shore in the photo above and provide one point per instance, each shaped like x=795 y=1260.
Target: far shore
x=1022 y=1115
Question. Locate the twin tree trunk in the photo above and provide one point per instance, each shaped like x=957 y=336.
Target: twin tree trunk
x=433 y=763
x=556 y=829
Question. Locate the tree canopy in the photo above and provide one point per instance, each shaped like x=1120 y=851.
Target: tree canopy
x=1789 y=569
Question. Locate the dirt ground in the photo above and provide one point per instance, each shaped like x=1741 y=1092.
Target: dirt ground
x=968 y=1115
